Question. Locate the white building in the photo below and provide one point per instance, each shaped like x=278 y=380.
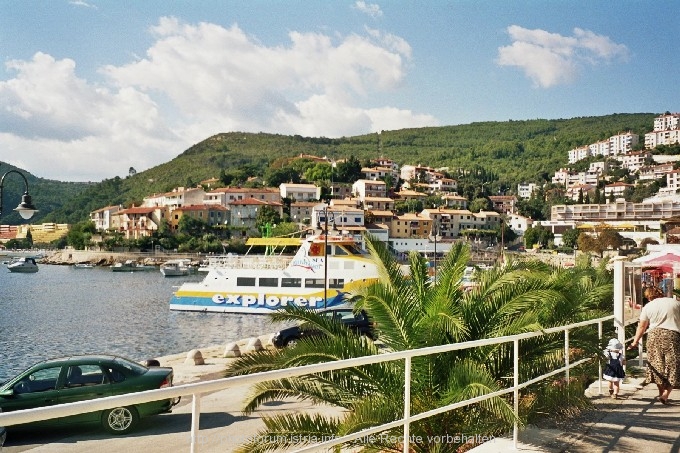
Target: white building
x=577 y=154
x=364 y=188
x=623 y=143
x=300 y=192
x=525 y=190
x=518 y=223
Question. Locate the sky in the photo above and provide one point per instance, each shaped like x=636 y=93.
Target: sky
x=90 y=88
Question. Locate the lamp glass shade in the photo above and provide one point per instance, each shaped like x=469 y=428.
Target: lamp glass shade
x=26 y=208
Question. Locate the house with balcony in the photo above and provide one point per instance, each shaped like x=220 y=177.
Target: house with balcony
x=212 y=214
x=179 y=196
x=653 y=172
x=409 y=226
x=526 y=189
x=454 y=201
x=379 y=203
x=616 y=189
x=342 y=217
x=580 y=191
x=141 y=221
x=635 y=160
x=105 y=218
x=301 y=211
x=505 y=204
x=300 y=192
x=365 y=188
x=243 y=213
x=226 y=195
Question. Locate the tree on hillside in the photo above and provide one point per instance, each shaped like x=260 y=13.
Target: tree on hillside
x=414 y=312
x=348 y=170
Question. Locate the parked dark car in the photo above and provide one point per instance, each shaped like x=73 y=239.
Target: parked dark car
x=359 y=322
x=79 y=378
x=3 y=435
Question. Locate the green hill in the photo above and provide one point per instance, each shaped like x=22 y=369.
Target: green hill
x=515 y=151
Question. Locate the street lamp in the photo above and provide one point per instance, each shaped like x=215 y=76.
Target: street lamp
x=434 y=235
x=326 y=215
x=25 y=208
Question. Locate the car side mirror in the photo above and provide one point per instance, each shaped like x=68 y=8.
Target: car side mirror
x=7 y=393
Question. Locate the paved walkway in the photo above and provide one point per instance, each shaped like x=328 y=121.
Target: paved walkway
x=634 y=423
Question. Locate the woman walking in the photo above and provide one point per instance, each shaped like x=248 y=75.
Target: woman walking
x=660 y=318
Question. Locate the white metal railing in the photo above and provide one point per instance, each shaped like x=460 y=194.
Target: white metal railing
x=200 y=388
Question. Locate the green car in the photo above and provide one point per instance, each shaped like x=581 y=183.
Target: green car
x=79 y=378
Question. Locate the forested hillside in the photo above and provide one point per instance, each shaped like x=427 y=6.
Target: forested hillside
x=514 y=151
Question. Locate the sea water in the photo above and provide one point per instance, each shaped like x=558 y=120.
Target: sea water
x=62 y=310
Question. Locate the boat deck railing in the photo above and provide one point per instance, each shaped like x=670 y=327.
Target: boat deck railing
x=247 y=262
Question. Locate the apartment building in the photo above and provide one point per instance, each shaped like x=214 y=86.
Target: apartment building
x=454 y=221
x=622 y=143
x=646 y=213
x=577 y=154
x=666 y=131
x=179 y=196
x=341 y=217
x=379 y=203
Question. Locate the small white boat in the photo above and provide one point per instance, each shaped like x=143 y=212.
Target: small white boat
x=177 y=268
x=83 y=266
x=132 y=266
x=24 y=264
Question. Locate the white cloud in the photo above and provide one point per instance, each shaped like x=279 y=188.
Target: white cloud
x=371 y=9
x=81 y=3
x=550 y=59
x=194 y=81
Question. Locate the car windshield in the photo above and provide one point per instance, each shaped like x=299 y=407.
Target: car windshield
x=131 y=366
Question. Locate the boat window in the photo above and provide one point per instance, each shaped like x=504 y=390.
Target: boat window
x=314 y=283
x=353 y=249
x=336 y=282
x=245 y=281
x=340 y=251
x=291 y=282
x=269 y=281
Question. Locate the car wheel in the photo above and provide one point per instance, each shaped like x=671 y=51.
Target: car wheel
x=120 y=420
x=291 y=342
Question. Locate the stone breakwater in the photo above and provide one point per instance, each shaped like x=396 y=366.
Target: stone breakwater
x=103 y=258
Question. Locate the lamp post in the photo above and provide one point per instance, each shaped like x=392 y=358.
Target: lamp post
x=434 y=235
x=326 y=214
x=25 y=208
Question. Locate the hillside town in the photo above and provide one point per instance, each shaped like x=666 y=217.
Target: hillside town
x=368 y=204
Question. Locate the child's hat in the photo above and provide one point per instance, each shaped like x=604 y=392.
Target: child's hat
x=614 y=344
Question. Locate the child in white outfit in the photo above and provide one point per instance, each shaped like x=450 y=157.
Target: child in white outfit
x=614 y=372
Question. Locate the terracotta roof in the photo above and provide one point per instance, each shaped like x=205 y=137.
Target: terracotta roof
x=203 y=207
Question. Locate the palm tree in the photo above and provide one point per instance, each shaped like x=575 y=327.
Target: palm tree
x=413 y=312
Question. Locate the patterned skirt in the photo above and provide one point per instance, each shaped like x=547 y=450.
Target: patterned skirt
x=663 y=357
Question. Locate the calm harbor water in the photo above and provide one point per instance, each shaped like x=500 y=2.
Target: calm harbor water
x=61 y=310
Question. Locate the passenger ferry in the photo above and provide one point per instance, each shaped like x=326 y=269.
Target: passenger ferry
x=261 y=283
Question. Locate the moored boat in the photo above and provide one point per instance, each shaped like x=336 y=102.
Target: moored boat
x=261 y=283
x=83 y=266
x=177 y=268
x=24 y=264
x=132 y=266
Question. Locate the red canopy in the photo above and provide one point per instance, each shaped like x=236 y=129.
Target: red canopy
x=664 y=262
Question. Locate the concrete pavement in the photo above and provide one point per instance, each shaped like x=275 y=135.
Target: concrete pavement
x=634 y=423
